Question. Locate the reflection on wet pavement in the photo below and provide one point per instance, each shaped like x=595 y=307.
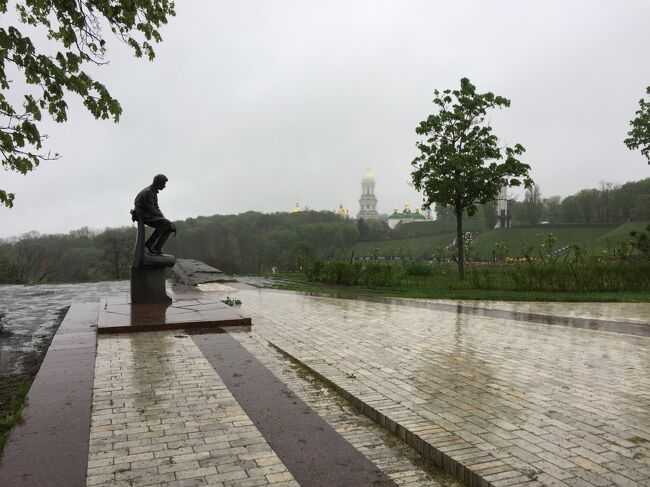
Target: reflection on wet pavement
x=504 y=398
x=29 y=316
x=629 y=312
x=558 y=314
x=162 y=415
x=400 y=462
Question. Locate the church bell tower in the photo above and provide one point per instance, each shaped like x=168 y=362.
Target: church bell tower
x=368 y=200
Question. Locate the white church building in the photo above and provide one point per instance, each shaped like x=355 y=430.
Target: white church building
x=368 y=200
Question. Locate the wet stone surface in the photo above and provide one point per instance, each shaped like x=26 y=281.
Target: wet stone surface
x=30 y=315
x=192 y=272
x=161 y=415
x=513 y=402
x=401 y=463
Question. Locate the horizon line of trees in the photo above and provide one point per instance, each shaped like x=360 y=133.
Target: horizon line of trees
x=254 y=242
x=609 y=203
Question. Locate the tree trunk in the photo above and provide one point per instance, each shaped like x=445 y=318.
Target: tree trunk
x=459 y=240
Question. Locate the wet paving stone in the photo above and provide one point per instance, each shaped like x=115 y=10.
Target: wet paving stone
x=492 y=400
x=125 y=317
x=489 y=398
x=161 y=415
x=49 y=445
x=401 y=463
x=314 y=453
x=29 y=317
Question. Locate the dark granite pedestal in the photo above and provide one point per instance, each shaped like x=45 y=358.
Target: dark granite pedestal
x=202 y=312
x=148 y=286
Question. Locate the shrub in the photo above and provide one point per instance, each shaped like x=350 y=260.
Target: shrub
x=345 y=274
x=381 y=275
x=418 y=269
x=314 y=270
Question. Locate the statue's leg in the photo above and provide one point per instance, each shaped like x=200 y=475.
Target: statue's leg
x=166 y=228
x=159 y=229
x=161 y=241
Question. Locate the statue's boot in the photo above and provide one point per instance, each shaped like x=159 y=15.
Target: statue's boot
x=161 y=242
x=152 y=249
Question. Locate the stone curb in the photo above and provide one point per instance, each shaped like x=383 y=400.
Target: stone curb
x=49 y=447
x=429 y=452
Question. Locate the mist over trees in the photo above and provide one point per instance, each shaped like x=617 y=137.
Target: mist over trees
x=247 y=243
x=532 y=207
x=255 y=242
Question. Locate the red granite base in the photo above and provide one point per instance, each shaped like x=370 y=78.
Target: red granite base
x=124 y=317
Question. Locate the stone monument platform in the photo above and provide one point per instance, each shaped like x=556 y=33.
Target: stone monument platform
x=122 y=316
x=193 y=272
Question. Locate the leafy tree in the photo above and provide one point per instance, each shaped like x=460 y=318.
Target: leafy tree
x=9 y=273
x=639 y=136
x=641 y=210
x=117 y=245
x=458 y=162
x=606 y=211
x=490 y=217
x=532 y=206
x=75 y=31
x=444 y=213
x=552 y=206
x=642 y=242
x=33 y=259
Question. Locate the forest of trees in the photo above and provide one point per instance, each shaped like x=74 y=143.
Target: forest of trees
x=609 y=203
x=247 y=243
x=255 y=242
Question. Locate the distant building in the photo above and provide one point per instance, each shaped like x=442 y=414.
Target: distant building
x=368 y=200
x=504 y=219
x=296 y=208
x=406 y=216
x=342 y=212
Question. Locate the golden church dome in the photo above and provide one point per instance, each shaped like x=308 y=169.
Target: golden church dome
x=369 y=176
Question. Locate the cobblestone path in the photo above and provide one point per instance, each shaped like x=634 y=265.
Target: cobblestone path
x=514 y=403
x=162 y=416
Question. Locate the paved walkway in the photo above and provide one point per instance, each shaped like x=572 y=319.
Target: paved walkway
x=628 y=312
x=510 y=402
x=492 y=400
x=162 y=416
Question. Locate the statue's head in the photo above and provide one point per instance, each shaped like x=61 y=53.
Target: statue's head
x=159 y=181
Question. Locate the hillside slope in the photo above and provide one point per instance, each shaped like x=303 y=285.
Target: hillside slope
x=418 y=247
x=514 y=237
x=596 y=237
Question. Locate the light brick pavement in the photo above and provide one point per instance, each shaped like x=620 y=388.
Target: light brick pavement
x=400 y=462
x=162 y=416
x=514 y=403
x=631 y=312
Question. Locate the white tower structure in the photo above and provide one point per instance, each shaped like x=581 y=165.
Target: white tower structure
x=368 y=200
x=503 y=217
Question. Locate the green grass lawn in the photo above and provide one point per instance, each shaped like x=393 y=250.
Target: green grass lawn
x=418 y=246
x=608 y=241
x=597 y=238
x=9 y=418
x=514 y=237
x=441 y=287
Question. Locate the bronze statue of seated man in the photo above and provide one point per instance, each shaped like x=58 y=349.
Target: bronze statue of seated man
x=146 y=206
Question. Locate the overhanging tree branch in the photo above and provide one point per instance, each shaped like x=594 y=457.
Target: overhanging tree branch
x=75 y=27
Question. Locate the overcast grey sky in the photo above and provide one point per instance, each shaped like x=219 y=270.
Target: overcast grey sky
x=254 y=105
